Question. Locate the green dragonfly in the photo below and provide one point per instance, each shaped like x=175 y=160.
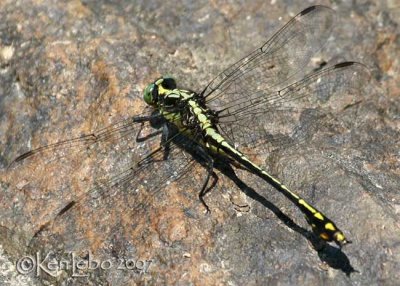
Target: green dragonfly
x=234 y=111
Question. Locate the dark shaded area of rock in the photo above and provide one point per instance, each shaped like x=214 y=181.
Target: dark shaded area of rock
x=70 y=68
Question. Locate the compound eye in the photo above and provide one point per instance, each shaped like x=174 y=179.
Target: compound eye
x=150 y=94
x=168 y=83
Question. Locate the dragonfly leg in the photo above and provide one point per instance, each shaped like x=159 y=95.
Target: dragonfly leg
x=140 y=138
x=209 y=165
x=164 y=143
x=165 y=137
x=205 y=189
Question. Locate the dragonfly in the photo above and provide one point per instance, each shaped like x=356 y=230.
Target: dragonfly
x=250 y=102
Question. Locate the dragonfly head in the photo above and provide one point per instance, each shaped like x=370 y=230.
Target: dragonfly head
x=159 y=88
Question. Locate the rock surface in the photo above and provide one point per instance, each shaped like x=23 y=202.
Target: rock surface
x=67 y=69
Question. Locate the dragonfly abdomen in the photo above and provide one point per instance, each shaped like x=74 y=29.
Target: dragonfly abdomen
x=322 y=226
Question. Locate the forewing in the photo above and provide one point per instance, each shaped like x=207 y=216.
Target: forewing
x=118 y=132
x=271 y=66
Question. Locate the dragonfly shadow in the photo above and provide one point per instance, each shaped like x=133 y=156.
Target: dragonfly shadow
x=332 y=256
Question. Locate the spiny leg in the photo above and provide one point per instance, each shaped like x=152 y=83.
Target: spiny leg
x=205 y=190
x=165 y=140
x=209 y=162
x=139 y=137
x=164 y=143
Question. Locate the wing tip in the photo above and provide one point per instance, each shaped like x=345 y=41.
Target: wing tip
x=19 y=159
x=314 y=7
x=355 y=64
x=344 y=64
x=308 y=10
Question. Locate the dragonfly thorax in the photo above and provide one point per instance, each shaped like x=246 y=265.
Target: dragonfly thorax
x=176 y=105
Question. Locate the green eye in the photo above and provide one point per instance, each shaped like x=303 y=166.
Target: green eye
x=148 y=94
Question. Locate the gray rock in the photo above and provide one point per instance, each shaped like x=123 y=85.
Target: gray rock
x=67 y=69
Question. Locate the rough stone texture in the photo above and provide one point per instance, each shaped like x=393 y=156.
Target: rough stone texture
x=70 y=68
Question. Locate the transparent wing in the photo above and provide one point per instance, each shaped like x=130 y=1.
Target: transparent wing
x=116 y=132
x=293 y=114
x=118 y=208
x=271 y=66
x=51 y=175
